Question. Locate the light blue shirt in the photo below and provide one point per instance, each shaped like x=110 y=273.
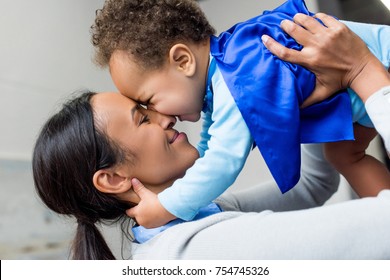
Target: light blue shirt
x=226 y=141
x=377 y=39
x=224 y=147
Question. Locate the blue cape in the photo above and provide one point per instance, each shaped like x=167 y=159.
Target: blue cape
x=269 y=91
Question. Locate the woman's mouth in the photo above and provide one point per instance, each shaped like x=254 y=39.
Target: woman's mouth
x=175 y=136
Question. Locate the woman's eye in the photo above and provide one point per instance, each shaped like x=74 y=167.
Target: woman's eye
x=145 y=119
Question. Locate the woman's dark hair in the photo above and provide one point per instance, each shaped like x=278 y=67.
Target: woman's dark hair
x=147 y=29
x=69 y=150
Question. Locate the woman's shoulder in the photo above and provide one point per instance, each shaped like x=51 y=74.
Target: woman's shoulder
x=183 y=240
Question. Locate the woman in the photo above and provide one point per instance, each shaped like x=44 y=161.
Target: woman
x=87 y=153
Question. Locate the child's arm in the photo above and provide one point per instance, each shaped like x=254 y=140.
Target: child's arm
x=228 y=148
x=367 y=175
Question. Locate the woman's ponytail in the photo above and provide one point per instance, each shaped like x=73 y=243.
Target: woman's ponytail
x=89 y=244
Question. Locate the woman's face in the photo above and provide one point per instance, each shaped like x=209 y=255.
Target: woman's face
x=161 y=153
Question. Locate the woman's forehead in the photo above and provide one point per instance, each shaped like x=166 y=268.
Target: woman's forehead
x=111 y=97
x=111 y=107
x=111 y=102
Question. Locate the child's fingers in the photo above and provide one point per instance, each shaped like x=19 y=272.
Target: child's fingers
x=131 y=212
x=139 y=188
x=142 y=193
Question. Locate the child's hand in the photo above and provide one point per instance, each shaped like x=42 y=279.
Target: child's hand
x=149 y=212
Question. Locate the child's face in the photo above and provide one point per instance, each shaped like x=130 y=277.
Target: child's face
x=165 y=90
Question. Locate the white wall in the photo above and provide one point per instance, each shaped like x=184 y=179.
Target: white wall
x=45 y=54
x=225 y=13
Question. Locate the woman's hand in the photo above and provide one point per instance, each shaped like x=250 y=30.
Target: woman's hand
x=149 y=212
x=335 y=54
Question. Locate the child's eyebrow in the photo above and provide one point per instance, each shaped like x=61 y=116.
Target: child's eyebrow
x=145 y=102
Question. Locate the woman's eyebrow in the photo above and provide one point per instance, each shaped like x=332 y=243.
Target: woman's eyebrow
x=133 y=110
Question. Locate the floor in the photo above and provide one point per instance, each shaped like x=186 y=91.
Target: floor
x=27 y=229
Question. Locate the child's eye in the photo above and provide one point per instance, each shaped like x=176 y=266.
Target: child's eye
x=145 y=104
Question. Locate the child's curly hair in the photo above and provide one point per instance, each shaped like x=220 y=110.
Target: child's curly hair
x=147 y=29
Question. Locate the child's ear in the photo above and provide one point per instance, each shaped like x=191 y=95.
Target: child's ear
x=111 y=181
x=183 y=59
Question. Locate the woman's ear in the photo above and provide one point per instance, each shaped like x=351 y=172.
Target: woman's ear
x=109 y=181
x=183 y=59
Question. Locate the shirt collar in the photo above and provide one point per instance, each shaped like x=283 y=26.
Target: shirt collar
x=141 y=234
x=208 y=98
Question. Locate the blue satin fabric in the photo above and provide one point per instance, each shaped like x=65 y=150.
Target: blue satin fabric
x=268 y=93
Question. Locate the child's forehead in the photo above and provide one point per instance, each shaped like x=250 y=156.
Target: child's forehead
x=121 y=56
x=121 y=62
x=121 y=59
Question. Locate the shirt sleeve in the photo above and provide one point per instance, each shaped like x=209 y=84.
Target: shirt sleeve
x=377 y=105
x=204 y=134
x=378 y=108
x=227 y=150
x=376 y=38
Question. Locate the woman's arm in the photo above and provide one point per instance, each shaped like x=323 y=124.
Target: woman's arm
x=356 y=229
x=337 y=56
x=319 y=180
x=340 y=59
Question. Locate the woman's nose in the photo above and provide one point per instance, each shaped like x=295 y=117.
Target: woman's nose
x=168 y=122
x=165 y=121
